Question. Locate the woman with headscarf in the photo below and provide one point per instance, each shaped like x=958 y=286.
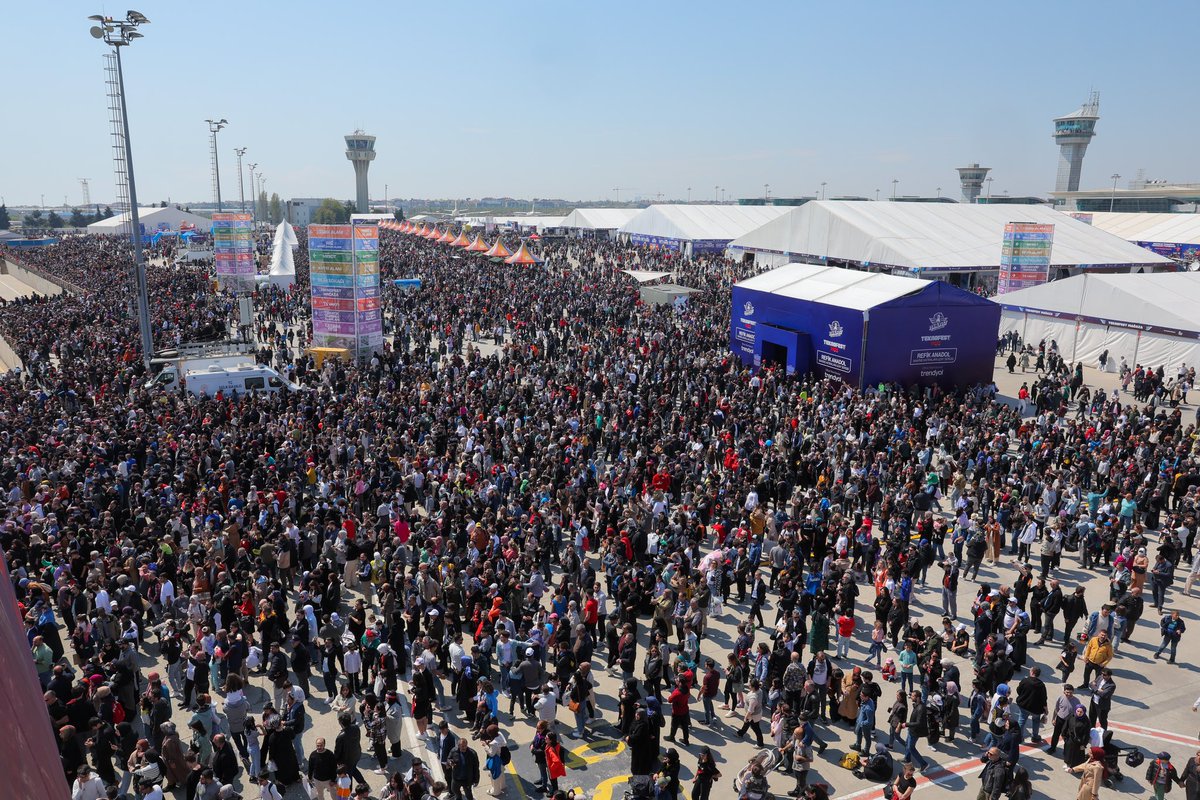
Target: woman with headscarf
x=1076 y=737
x=629 y=700
x=282 y=751
x=172 y=755
x=1092 y=774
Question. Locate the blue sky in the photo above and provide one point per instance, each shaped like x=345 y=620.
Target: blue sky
x=570 y=99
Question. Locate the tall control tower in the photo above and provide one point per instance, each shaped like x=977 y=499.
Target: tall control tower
x=360 y=149
x=1073 y=133
x=971 y=177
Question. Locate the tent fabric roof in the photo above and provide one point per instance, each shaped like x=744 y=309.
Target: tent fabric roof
x=700 y=222
x=846 y=288
x=939 y=236
x=150 y=219
x=599 y=219
x=645 y=275
x=1163 y=299
x=1133 y=227
x=282 y=260
x=523 y=256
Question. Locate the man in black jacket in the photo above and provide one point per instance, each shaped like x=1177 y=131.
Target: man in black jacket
x=994 y=778
x=347 y=747
x=224 y=760
x=1032 y=701
x=1051 y=605
x=322 y=770
x=464 y=770
x=277 y=673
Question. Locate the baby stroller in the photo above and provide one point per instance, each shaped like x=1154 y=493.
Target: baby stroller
x=1112 y=760
x=768 y=759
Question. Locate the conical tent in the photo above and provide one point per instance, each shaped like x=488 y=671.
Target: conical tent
x=447 y=237
x=522 y=256
x=498 y=250
x=433 y=233
x=288 y=233
x=461 y=240
x=477 y=246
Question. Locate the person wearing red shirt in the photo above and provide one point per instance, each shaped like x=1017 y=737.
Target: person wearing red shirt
x=845 y=632
x=680 y=715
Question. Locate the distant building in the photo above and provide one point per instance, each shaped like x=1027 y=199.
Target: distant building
x=1007 y=200
x=1153 y=196
x=300 y=210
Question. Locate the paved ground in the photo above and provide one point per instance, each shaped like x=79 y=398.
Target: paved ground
x=1152 y=709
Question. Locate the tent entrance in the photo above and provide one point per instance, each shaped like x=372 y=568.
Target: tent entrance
x=774 y=355
x=780 y=347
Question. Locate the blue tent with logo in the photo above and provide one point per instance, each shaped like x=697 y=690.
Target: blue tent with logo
x=864 y=328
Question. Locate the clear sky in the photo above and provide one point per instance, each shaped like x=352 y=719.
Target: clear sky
x=571 y=99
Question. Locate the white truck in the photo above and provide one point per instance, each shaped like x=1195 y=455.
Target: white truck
x=211 y=374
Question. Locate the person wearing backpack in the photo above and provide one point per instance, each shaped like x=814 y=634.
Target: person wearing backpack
x=1161 y=775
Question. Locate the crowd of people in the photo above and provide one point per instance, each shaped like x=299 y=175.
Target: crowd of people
x=539 y=480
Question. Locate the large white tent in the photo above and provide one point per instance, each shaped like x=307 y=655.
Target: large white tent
x=929 y=238
x=696 y=228
x=153 y=219
x=598 y=220
x=1173 y=235
x=1147 y=319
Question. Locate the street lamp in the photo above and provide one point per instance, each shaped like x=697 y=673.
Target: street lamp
x=895 y=183
x=689 y=195
x=766 y=191
x=823 y=190
x=1112 y=200
x=213 y=127
x=241 y=151
x=253 y=197
x=876 y=195
x=939 y=193
x=989 y=183
x=715 y=190
x=118 y=33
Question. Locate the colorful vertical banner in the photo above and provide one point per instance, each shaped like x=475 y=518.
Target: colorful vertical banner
x=344 y=273
x=233 y=250
x=1025 y=256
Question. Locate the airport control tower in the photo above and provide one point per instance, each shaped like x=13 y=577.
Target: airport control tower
x=360 y=149
x=971 y=177
x=1073 y=133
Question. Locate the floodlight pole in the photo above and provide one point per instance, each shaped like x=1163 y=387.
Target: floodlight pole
x=118 y=34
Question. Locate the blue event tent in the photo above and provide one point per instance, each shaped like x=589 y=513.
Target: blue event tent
x=864 y=328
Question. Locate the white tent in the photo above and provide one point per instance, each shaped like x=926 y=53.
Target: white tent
x=282 y=272
x=598 y=219
x=1147 y=319
x=646 y=275
x=289 y=234
x=153 y=219
x=696 y=228
x=929 y=237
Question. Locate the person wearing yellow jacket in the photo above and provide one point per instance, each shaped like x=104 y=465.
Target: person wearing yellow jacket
x=1096 y=655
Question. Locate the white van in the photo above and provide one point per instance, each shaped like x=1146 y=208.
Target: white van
x=210 y=378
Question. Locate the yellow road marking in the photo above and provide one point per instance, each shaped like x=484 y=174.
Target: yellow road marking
x=605 y=789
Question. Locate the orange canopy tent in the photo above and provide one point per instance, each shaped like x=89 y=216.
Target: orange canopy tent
x=522 y=256
x=461 y=240
x=477 y=246
x=498 y=250
x=422 y=230
x=447 y=237
x=533 y=237
x=433 y=233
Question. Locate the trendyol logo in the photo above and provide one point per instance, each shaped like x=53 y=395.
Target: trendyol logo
x=835 y=329
x=938 y=321
x=748 y=309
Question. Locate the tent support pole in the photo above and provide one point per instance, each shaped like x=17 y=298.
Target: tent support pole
x=862 y=354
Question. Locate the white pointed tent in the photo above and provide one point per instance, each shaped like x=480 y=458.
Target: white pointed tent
x=282 y=272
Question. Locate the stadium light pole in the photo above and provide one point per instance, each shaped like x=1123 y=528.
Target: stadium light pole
x=241 y=151
x=1112 y=200
x=213 y=127
x=823 y=189
x=118 y=33
x=895 y=183
x=253 y=197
